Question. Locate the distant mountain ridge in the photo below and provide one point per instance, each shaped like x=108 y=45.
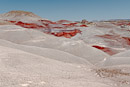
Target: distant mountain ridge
x=118 y=19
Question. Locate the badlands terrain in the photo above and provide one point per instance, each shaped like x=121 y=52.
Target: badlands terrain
x=37 y=52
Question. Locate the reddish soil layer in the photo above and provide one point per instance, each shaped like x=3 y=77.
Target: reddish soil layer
x=29 y=25
x=47 y=25
x=117 y=38
x=67 y=34
x=106 y=50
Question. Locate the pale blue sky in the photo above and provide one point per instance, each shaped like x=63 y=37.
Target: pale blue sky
x=71 y=9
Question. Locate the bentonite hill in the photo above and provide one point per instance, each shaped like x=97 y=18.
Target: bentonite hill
x=38 y=52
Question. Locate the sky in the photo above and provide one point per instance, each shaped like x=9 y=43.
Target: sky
x=74 y=10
